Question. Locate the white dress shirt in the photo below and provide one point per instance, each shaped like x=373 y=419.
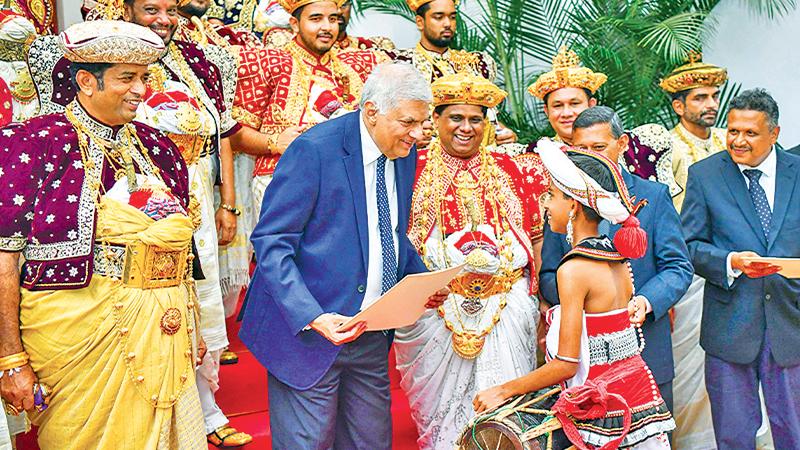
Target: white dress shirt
x=768 y=168
x=370 y=153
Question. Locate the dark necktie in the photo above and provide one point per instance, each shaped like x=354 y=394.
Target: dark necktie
x=385 y=227
x=759 y=198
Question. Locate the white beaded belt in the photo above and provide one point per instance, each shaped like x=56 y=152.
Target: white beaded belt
x=613 y=347
x=142 y=266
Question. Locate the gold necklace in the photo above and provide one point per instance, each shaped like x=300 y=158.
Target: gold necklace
x=469 y=343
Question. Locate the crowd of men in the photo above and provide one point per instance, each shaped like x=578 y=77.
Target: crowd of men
x=152 y=155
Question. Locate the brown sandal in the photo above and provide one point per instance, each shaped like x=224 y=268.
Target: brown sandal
x=228 y=437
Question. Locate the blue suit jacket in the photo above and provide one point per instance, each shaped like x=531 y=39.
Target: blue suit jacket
x=719 y=218
x=311 y=246
x=663 y=275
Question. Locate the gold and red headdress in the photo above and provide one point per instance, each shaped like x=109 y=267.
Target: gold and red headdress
x=292 y=5
x=694 y=74
x=414 y=5
x=567 y=72
x=466 y=89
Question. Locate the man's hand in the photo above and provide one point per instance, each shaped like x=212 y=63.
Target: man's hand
x=226 y=226
x=202 y=349
x=436 y=300
x=753 y=269
x=505 y=135
x=17 y=389
x=286 y=138
x=326 y=325
x=489 y=399
x=637 y=310
x=427 y=133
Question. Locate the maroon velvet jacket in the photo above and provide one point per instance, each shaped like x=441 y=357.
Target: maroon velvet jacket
x=49 y=212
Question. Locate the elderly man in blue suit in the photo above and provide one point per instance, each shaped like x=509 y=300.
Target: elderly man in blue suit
x=741 y=204
x=662 y=276
x=330 y=240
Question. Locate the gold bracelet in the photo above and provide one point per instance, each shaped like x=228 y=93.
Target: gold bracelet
x=14 y=361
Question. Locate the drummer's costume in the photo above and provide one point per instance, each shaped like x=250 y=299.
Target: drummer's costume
x=610 y=350
x=649 y=153
x=103 y=218
x=15 y=31
x=483 y=211
x=290 y=86
x=692 y=409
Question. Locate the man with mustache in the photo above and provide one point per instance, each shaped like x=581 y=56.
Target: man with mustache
x=739 y=204
x=101 y=311
x=694 y=88
x=433 y=57
x=282 y=92
x=190 y=98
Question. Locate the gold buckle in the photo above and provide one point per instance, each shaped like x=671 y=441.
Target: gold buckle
x=151 y=267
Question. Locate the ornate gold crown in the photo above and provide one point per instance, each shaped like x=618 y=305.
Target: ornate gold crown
x=110 y=41
x=291 y=5
x=417 y=4
x=466 y=89
x=567 y=72
x=694 y=74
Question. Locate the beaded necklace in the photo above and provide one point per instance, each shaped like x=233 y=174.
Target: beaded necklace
x=468 y=343
x=693 y=150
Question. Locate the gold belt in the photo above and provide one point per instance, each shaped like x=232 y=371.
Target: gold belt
x=478 y=285
x=142 y=266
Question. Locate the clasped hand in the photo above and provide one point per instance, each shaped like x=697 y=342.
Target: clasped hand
x=753 y=269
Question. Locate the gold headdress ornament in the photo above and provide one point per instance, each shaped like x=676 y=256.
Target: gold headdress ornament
x=291 y=5
x=694 y=74
x=114 y=9
x=110 y=41
x=466 y=89
x=567 y=72
x=417 y=4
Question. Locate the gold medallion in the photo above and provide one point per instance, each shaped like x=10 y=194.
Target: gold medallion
x=171 y=321
x=467 y=344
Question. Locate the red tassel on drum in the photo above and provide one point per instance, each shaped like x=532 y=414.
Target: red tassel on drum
x=631 y=240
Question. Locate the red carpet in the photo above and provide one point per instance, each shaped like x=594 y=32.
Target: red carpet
x=243 y=398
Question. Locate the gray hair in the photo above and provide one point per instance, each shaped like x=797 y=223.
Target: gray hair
x=600 y=115
x=757 y=99
x=391 y=83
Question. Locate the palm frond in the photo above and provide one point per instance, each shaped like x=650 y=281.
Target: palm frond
x=771 y=9
x=393 y=7
x=674 y=37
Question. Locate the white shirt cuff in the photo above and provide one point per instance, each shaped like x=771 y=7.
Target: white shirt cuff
x=733 y=274
x=648 y=308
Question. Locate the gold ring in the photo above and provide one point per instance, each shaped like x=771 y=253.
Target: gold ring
x=11 y=409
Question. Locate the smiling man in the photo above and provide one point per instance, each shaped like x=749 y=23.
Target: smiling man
x=190 y=98
x=740 y=204
x=470 y=205
x=89 y=199
x=283 y=92
x=330 y=242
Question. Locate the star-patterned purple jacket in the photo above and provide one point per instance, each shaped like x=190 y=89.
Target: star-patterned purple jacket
x=48 y=210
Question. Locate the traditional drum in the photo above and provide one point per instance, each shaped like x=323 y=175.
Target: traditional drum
x=525 y=423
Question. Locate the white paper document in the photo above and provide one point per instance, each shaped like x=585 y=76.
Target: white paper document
x=403 y=304
x=790 y=267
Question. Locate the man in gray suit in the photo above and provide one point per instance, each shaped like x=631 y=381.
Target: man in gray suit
x=741 y=204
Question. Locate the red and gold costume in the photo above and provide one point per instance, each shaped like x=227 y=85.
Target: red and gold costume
x=42 y=13
x=482 y=211
x=365 y=43
x=279 y=88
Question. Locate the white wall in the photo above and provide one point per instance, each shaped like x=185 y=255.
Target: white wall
x=69 y=12
x=761 y=53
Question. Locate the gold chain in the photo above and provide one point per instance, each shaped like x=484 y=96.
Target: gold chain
x=466 y=342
